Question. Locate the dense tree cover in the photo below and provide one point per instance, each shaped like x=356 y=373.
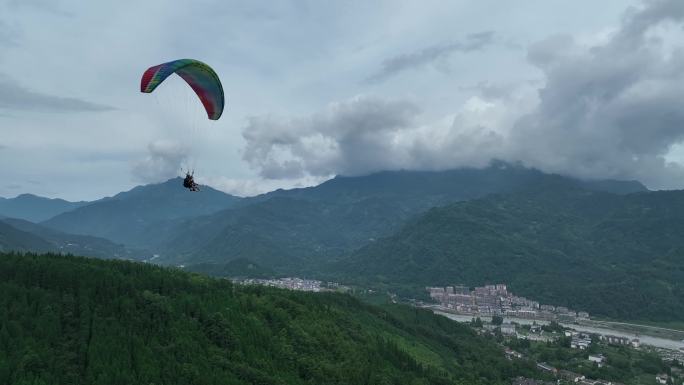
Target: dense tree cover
x=240 y=267
x=290 y=230
x=21 y=235
x=616 y=256
x=300 y=230
x=69 y=320
x=140 y=216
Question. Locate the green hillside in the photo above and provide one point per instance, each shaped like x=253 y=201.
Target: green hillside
x=296 y=231
x=34 y=208
x=615 y=256
x=125 y=217
x=44 y=239
x=13 y=239
x=69 y=320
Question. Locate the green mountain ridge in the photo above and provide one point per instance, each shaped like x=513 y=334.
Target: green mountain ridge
x=124 y=217
x=619 y=256
x=34 y=208
x=82 y=321
x=45 y=239
x=299 y=230
x=13 y=239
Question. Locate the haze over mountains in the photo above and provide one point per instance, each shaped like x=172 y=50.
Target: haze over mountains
x=584 y=244
x=284 y=229
x=123 y=217
x=34 y=208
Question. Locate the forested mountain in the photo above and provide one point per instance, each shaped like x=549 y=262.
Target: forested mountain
x=612 y=255
x=291 y=230
x=70 y=320
x=284 y=233
x=124 y=217
x=237 y=268
x=34 y=208
x=21 y=235
x=13 y=239
x=427 y=189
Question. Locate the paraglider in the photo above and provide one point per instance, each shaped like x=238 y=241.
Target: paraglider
x=198 y=75
x=189 y=182
x=203 y=81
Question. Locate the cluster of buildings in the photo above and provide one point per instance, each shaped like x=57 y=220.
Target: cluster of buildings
x=572 y=377
x=497 y=300
x=619 y=340
x=580 y=341
x=583 y=340
x=669 y=354
x=292 y=284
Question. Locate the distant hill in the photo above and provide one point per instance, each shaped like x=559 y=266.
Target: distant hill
x=34 y=208
x=619 y=256
x=43 y=239
x=13 y=239
x=125 y=217
x=115 y=322
x=241 y=267
x=434 y=188
x=283 y=233
x=298 y=230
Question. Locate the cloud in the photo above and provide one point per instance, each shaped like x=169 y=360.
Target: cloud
x=612 y=109
x=364 y=135
x=9 y=34
x=493 y=91
x=255 y=186
x=13 y=96
x=396 y=64
x=348 y=137
x=52 y=6
x=163 y=161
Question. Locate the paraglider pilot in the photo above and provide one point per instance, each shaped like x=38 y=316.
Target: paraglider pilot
x=189 y=182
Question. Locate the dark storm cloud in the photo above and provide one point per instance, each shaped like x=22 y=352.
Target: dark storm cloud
x=394 y=65
x=13 y=96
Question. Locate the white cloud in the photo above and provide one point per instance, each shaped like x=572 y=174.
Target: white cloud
x=283 y=63
x=610 y=109
x=164 y=161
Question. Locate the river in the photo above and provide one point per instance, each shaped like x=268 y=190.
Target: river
x=644 y=339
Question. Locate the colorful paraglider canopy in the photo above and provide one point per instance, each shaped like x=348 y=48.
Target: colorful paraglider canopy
x=198 y=75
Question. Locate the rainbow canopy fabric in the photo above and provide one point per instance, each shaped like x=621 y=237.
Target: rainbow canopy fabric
x=198 y=75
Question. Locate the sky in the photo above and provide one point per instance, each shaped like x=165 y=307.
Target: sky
x=317 y=89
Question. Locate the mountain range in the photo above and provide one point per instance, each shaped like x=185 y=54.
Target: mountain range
x=34 y=208
x=289 y=229
x=22 y=235
x=619 y=256
x=610 y=247
x=125 y=216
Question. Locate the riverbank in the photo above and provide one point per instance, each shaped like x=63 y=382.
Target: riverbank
x=595 y=327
